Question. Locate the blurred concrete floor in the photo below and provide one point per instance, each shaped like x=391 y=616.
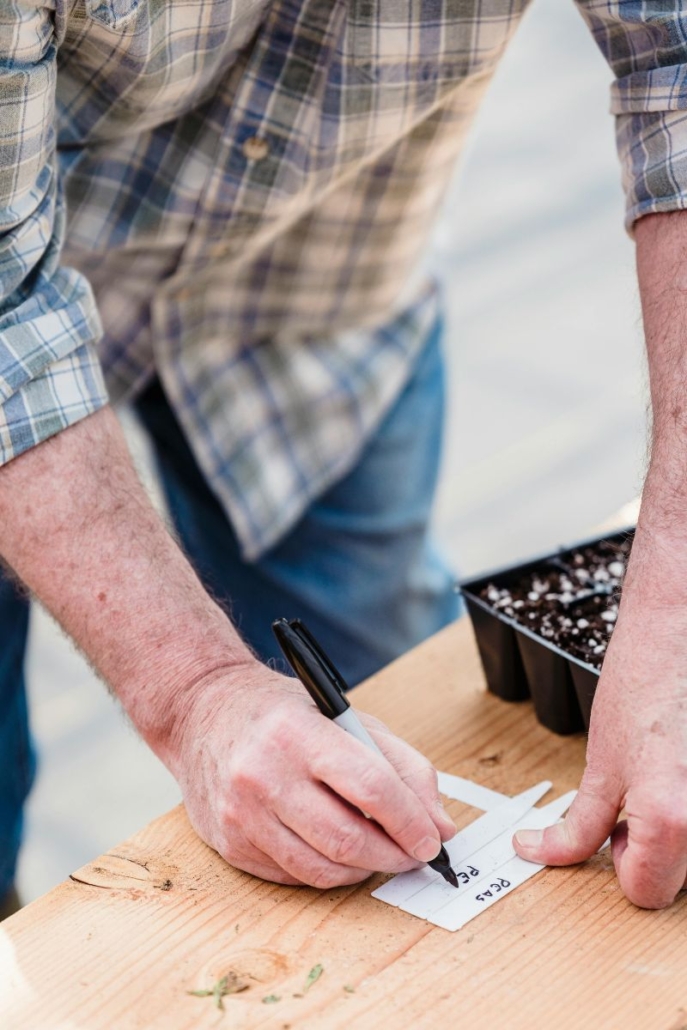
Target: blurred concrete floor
x=547 y=396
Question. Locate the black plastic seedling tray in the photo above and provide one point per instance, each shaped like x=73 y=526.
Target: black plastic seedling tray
x=518 y=662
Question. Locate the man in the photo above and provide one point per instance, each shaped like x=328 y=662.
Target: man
x=249 y=183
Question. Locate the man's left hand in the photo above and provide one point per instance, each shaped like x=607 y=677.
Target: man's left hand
x=636 y=759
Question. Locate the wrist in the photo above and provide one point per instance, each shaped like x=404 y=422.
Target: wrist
x=169 y=711
x=233 y=693
x=656 y=576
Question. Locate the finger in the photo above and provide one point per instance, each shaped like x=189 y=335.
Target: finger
x=370 y=782
x=418 y=773
x=650 y=854
x=299 y=859
x=253 y=860
x=268 y=871
x=340 y=832
x=588 y=823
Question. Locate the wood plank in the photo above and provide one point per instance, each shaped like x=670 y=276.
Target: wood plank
x=121 y=944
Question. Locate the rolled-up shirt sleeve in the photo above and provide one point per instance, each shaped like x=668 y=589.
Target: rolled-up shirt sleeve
x=50 y=376
x=645 y=43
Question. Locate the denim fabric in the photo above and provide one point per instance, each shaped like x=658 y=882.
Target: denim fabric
x=359 y=568
x=17 y=760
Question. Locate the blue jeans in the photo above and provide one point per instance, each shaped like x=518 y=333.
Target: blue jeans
x=359 y=568
x=17 y=760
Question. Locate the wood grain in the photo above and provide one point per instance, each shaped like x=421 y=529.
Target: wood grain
x=121 y=943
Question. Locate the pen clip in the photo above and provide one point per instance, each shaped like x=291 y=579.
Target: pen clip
x=306 y=637
x=311 y=665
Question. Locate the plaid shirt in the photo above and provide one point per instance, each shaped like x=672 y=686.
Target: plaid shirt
x=249 y=184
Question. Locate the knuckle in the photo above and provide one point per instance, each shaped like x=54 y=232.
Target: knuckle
x=324 y=876
x=289 y=857
x=228 y=815
x=370 y=788
x=277 y=730
x=410 y=830
x=595 y=786
x=428 y=779
x=667 y=825
x=641 y=888
x=596 y=798
x=241 y=773
x=247 y=777
x=645 y=899
x=346 y=844
x=371 y=722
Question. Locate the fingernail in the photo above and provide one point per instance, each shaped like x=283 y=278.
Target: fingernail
x=426 y=850
x=530 y=838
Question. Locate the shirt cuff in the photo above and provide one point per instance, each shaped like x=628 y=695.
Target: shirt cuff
x=651 y=135
x=68 y=391
x=50 y=375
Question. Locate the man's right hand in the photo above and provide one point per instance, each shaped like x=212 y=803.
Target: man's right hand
x=268 y=781
x=279 y=790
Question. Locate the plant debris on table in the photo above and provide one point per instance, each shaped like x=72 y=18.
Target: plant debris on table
x=313 y=976
x=570 y=601
x=229 y=984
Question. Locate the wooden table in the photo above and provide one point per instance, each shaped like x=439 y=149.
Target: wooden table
x=122 y=942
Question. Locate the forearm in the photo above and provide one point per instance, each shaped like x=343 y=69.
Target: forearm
x=638 y=732
x=79 y=531
x=658 y=568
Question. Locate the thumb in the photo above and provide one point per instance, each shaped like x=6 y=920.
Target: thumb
x=590 y=820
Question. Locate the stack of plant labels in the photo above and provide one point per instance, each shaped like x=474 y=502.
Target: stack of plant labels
x=482 y=856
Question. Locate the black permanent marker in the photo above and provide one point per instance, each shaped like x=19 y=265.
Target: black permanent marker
x=327 y=688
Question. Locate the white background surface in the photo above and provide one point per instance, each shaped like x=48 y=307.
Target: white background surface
x=546 y=434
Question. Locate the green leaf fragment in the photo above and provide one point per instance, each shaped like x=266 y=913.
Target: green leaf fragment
x=229 y=984
x=270 y=999
x=313 y=976
x=349 y=989
x=218 y=990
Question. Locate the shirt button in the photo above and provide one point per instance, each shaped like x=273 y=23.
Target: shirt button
x=255 y=149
